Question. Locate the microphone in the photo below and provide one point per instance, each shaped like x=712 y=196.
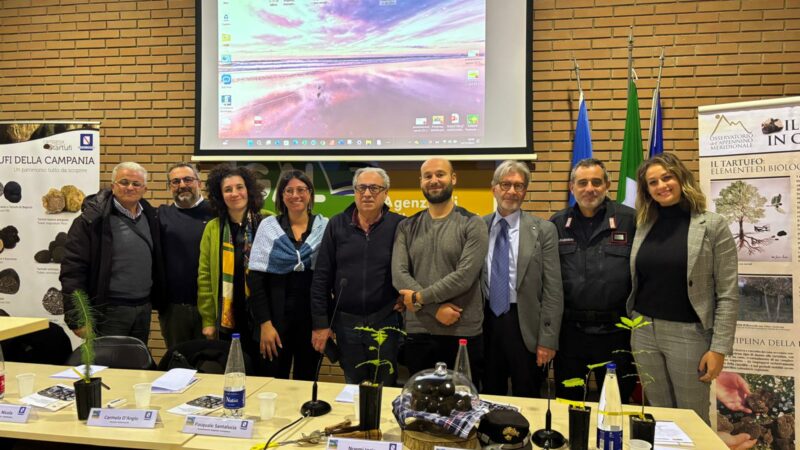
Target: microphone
x=315 y=407
x=548 y=437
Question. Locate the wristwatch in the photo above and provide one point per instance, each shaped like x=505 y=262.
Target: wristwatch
x=415 y=300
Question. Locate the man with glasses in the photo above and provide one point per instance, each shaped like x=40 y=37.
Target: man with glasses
x=182 y=224
x=594 y=244
x=436 y=267
x=113 y=254
x=522 y=285
x=357 y=247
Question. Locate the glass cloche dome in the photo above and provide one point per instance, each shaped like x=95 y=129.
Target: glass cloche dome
x=440 y=391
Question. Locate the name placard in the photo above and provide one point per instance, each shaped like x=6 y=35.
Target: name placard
x=14 y=413
x=335 y=443
x=219 y=426
x=122 y=418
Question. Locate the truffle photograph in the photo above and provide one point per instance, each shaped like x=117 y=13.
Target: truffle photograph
x=9 y=237
x=53 y=302
x=12 y=191
x=767 y=414
x=9 y=281
x=54 y=252
x=66 y=199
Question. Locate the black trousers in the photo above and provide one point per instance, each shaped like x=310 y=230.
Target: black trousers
x=297 y=355
x=578 y=349
x=508 y=357
x=423 y=351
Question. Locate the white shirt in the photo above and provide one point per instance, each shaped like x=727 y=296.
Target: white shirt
x=513 y=249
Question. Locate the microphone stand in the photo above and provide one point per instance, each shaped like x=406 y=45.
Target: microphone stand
x=548 y=438
x=316 y=407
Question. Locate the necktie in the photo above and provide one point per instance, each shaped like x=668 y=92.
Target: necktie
x=499 y=296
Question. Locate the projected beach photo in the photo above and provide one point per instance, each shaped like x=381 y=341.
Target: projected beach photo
x=765 y=298
x=390 y=68
x=759 y=213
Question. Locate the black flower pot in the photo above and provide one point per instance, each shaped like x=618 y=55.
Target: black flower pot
x=369 y=406
x=87 y=396
x=579 y=427
x=644 y=429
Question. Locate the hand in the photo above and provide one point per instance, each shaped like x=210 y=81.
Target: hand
x=319 y=338
x=399 y=306
x=407 y=295
x=448 y=314
x=741 y=441
x=544 y=355
x=80 y=332
x=210 y=332
x=732 y=390
x=270 y=341
x=711 y=363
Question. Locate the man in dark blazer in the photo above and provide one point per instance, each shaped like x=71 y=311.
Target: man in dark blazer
x=522 y=285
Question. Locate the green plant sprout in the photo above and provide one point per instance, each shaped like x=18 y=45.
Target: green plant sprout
x=379 y=336
x=83 y=316
x=644 y=378
x=577 y=382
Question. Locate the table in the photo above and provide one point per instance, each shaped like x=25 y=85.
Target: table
x=63 y=426
x=17 y=326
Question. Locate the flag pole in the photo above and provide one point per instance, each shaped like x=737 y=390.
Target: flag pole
x=630 y=57
x=577 y=74
x=658 y=87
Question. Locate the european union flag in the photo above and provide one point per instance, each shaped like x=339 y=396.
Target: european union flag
x=582 y=145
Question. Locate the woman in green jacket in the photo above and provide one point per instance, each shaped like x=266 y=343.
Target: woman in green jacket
x=224 y=252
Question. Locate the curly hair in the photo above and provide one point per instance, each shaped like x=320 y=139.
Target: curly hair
x=692 y=198
x=255 y=199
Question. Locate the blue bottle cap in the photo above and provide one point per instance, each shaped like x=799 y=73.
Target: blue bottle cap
x=235 y=336
x=611 y=366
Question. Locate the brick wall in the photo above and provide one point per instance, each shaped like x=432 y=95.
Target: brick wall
x=131 y=66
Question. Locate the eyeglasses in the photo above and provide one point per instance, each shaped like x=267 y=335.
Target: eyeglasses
x=186 y=180
x=125 y=183
x=374 y=189
x=298 y=190
x=506 y=185
x=596 y=182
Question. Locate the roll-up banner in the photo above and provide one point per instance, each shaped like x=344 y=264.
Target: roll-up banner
x=46 y=170
x=750 y=172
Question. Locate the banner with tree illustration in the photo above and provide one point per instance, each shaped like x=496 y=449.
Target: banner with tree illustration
x=750 y=172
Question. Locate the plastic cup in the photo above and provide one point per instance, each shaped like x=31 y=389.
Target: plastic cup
x=638 y=444
x=25 y=382
x=141 y=392
x=266 y=405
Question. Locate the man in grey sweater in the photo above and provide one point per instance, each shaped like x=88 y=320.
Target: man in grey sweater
x=436 y=265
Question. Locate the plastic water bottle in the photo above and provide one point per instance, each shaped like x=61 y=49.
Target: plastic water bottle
x=2 y=375
x=462 y=360
x=609 y=416
x=233 y=398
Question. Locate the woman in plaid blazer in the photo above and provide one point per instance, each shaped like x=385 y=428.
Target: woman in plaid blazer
x=684 y=271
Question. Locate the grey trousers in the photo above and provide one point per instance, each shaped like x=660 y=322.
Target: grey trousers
x=180 y=323
x=123 y=320
x=670 y=352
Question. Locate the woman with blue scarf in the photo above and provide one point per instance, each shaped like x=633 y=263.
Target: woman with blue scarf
x=222 y=292
x=281 y=269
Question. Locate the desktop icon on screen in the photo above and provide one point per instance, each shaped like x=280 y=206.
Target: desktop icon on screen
x=258 y=121
x=421 y=121
x=226 y=59
x=226 y=37
x=226 y=78
x=472 y=119
x=249 y=142
x=472 y=53
x=455 y=118
x=226 y=100
x=437 y=120
x=472 y=74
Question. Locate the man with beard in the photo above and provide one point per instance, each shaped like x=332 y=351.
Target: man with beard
x=522 y=285
x=594 y=245
x=182 y=225
x=436 y=265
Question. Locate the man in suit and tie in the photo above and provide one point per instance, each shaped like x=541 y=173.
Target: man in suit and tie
x=522 y=285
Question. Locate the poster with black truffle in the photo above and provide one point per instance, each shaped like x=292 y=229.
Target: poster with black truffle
x=750 y=173
x=46 y=170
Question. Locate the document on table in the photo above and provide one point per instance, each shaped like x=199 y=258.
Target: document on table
x=671 y=435
x=198 y=407
x=175 y=381
x=52 y=398
x=347 y=394
x=70 y=373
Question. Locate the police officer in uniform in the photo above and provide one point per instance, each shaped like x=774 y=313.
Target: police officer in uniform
x=594 y=238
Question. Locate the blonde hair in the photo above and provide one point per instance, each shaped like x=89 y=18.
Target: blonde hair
x=692 y=198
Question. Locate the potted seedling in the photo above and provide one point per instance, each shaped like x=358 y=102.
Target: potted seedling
x=87 y=389
x=579 y=413
x=370 y=391
x=642 y=426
